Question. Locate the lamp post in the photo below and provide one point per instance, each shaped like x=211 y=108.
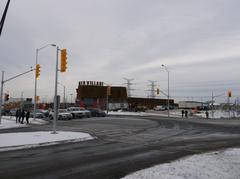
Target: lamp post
x=71 y=97
x=64 y=88
x=35 y=88
x=55 y=94
x=168 y=87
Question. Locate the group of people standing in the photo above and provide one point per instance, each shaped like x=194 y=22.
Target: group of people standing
x=185 y=113
x=21 y=114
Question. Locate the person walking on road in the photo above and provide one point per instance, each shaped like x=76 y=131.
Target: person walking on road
x=23 y=116
x=207 y=114
x=27 y=116
x=182 y=113
x=186 y=114
x=17 y=115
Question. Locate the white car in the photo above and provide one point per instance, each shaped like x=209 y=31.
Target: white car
x=78 y=112
x=63 y=114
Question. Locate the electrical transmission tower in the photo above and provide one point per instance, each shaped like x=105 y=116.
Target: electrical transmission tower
x=129 y=84
x=152 y=90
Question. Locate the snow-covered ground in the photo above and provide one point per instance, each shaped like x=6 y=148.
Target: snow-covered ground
x=215 y=165
x=22 y=140
x=218 y=114
x=10 y=122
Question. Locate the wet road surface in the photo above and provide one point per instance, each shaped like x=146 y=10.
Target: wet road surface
x=123 y=145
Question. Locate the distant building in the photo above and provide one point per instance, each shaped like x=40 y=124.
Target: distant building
x=148 y=103
x=94 y=94
x=192 y=105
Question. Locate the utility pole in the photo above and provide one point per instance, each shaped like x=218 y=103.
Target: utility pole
x=4 y=16
x=1 y=100
x=212 y=103
x=71 y=97
x=55 y=95
x=152 y=90
x=64 y=89
x=164 y=66
x=21 y=101
x=129 y=84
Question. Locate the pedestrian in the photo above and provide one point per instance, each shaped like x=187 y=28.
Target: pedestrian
x=23 y=116
x=186 y=114
x=207 y=114
x=17 y=115
x=27 y=116
x=182 y=113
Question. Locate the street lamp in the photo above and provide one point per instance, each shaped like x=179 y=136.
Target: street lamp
x=71 y=97
x=168 y=87
x=35 y=88
x=64 y=88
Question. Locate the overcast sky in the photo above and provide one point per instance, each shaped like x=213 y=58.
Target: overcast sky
x=107 y=40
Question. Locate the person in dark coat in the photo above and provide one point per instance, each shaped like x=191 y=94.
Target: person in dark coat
x=186 y=114
x=182 y=113
x=17 y=115
x=22 y=115
x=27 y=116
x=207 y=114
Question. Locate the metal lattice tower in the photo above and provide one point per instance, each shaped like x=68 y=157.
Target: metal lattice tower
x=129 y=84
x=152 y=90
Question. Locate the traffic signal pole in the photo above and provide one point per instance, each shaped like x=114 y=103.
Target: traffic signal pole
x=2 y=83
x=35 y=89
x=1 y=100
x=55 y=95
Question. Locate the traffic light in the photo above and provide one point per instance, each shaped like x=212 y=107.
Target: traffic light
x=158 y=91
x=229 y=93
x=38 y=70
x=63 y=60
x=6 y=97
x=109 y=90
x=37 y=98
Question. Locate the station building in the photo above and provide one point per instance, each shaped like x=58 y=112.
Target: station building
x=94 y=94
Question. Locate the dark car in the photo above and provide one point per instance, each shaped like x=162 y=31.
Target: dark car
x=95 y=112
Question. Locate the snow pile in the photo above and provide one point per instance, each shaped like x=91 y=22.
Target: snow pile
x=214 y=165
x=10 y=122
x=21 y=140
x=217 y=114
x=128 y=113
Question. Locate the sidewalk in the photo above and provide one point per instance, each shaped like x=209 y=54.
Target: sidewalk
x=24 y=140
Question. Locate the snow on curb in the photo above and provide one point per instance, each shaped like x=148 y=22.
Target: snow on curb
x=24 y=140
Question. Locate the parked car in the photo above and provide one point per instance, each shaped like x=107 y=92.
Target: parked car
x=38 y=114
x=63 y=114
x=76 y=112
x=12 y=112
x=159 y=108
x=95 y=112
x=86 y=113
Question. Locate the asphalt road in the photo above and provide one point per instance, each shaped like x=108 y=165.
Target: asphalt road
x=123 y=145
